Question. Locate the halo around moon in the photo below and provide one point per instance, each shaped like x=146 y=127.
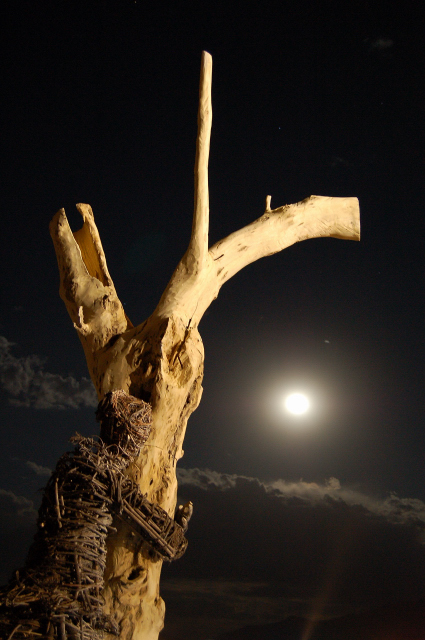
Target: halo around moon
x=297 y=403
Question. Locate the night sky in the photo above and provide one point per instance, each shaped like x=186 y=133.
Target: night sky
x=316 y=515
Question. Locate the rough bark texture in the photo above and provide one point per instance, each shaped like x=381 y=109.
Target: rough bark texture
x=161 y=360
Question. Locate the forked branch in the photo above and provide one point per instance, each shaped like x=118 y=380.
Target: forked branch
x=85 y=284
x=88 y=290
x=201 y=273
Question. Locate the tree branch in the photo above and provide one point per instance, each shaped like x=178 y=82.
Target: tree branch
x=85 y=284
x=88 y=240
x=315 y=217
x=198 y=246
x=87 y=288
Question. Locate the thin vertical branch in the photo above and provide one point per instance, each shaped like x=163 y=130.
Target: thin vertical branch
x=198 y=246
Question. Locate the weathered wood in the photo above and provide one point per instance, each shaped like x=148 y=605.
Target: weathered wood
x=189 y=295
x=63 y=580
x=161 y=360
x=198 y=246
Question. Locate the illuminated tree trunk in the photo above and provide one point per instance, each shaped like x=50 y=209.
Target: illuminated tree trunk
x=161 y=360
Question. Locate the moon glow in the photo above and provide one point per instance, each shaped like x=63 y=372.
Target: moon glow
x=297 y=403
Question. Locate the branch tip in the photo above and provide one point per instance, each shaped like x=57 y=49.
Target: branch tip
x=206 y=58
x=198 y=246
x=268 y=201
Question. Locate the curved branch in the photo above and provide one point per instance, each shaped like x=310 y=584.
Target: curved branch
x=315 y=217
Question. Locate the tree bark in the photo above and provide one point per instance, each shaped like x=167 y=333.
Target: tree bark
x=161 y=360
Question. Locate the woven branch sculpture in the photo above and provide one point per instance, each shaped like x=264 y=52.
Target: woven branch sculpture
x=59 y=592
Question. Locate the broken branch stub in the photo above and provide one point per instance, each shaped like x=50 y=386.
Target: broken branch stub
x=85 y=284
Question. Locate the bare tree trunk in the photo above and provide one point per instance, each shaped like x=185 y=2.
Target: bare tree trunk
x=161 y=360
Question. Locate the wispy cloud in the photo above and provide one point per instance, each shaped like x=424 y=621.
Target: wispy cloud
x=38 y=469
x=393 y=508
x=207 y=479
x=29 y=385
x=20 y=505
x=381 y=47
x=381 y=43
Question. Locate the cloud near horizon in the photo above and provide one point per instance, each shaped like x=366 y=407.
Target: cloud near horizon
x=38 y=469
x=29 y=385
x=260 y=551
x=18 y=505
x=395 y=509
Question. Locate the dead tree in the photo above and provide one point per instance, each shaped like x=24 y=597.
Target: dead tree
x=160 y=361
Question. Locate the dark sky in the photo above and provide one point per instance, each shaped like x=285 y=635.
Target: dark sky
x=323 y=513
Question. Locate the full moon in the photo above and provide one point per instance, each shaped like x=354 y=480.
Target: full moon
x=297 y=403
